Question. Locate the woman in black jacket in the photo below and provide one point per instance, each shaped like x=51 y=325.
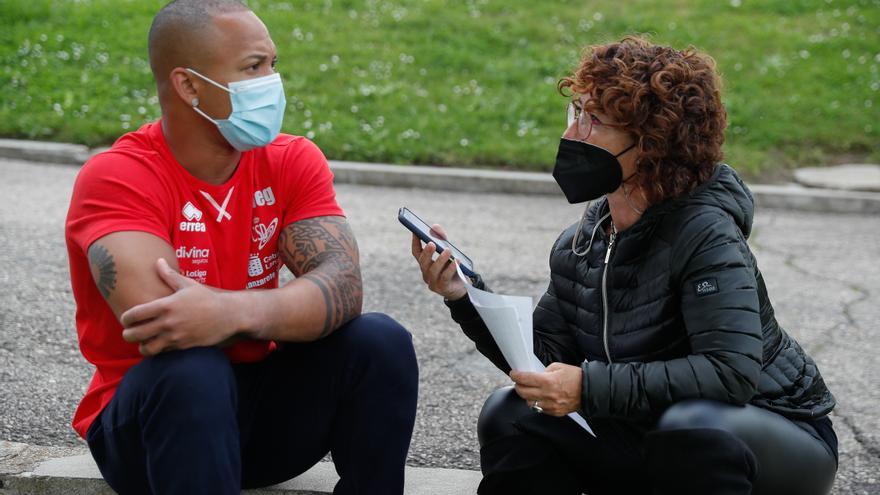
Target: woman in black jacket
x=656 y=325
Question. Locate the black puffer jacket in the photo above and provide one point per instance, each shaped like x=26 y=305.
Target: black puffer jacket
x=679 y=311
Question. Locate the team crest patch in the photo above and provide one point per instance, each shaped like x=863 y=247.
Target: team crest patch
x=706 y=286
x=264 y=233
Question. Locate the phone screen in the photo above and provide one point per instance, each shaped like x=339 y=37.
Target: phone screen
x=426 y=234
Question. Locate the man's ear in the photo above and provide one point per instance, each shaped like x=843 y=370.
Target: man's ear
x=182 y=82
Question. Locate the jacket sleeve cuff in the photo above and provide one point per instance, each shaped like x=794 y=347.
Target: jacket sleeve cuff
x=593 y=387
x=462 y=310
x=585 y=391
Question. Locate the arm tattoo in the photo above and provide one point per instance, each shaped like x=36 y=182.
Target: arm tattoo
x=323 y=251
x=103 y=269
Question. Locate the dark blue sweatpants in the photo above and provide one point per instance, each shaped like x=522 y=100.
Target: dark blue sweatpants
x=189 y=422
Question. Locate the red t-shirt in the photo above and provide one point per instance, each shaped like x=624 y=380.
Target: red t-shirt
x=224 y=236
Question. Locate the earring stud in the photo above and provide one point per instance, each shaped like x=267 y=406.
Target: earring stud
x=195 y=102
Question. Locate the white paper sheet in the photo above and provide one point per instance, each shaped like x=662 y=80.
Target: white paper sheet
x=504 y=317
x=509 y=319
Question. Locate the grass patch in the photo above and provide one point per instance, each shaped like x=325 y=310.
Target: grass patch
x=463 y=82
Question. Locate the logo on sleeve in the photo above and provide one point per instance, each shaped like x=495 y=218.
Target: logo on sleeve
x=706 y=286
x=193 y=218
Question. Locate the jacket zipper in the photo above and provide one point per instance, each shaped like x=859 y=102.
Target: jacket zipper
x=605 y=295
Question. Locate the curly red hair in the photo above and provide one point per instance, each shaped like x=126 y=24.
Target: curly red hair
x=670 y=100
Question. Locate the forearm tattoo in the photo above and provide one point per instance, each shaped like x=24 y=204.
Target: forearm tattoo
x=103 y=269
x=323 y=251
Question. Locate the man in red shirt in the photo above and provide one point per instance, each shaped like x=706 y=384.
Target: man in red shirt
x=209 y=376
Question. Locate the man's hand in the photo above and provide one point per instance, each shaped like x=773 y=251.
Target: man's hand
x=193 y=316
x=557 y=389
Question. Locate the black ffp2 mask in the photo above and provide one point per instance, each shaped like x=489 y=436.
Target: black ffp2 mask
x=585 y=171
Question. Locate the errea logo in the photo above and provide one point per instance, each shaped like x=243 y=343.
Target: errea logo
x=193 y=216
x=191 y=213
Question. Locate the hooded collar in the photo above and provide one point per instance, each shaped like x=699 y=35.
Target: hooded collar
x=724 y=190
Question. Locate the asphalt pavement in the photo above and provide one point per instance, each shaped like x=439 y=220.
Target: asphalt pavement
x=822 y=271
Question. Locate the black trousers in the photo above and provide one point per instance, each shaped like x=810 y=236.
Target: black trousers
x=697 y=447
x=189 y=422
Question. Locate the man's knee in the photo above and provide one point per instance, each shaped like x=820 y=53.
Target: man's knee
x=379 y=335
x=499 y=412
x=385 y=344
x=382 y=326
x=197 y=377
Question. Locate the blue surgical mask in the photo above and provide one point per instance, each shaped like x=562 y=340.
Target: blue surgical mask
x=257 y=111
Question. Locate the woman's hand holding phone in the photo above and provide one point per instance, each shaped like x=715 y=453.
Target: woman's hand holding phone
x=440 y=274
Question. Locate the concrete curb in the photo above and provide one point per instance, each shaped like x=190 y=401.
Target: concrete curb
x=27 y=469
x=44 y=152
x=790 y=196
x=849 y=176
x=798 y=198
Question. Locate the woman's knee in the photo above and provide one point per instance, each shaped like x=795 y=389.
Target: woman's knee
x=747 y=423
x=696 y=413
x=499 y=412
x=776 y=455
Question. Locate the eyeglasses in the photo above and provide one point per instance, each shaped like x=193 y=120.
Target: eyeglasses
x=586 y=121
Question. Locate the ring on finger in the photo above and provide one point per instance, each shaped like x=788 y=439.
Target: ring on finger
x=538 y=409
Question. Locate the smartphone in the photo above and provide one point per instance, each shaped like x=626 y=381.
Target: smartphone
x=423 y=231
